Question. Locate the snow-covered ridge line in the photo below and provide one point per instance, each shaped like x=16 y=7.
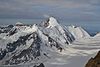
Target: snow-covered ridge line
x=77 y=32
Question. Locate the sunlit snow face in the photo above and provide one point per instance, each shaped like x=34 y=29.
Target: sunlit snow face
x=50 y=22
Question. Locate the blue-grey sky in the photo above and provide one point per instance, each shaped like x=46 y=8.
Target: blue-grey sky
x=78 y=10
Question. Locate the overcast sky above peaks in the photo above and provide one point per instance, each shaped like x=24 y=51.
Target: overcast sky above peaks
x=81 y=10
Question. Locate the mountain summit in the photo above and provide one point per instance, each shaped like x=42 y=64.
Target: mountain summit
x=55 y=31
x=77 y=32
x=52 y=22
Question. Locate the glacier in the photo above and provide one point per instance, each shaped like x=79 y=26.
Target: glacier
x=48 y=43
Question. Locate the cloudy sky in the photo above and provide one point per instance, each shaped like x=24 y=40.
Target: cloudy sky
x=80 y=10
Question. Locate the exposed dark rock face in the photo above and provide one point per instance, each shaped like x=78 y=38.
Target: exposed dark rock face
x=94 y=62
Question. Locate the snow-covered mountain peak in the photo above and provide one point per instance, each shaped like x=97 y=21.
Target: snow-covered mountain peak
x=52 y=22
x=77 y=31
x=52 y=29
x=49 y=23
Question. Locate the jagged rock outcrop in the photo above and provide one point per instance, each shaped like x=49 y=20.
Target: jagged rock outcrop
x=94 y=62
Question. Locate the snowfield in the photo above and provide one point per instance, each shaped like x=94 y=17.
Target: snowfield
x=49 y=43
x=76 y=55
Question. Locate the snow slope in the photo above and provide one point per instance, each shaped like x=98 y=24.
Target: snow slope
x=97 y=35
x=55 y=31
x=76 y=55
x=77 y=32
